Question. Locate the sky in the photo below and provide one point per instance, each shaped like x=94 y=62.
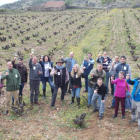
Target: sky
x=6 y=1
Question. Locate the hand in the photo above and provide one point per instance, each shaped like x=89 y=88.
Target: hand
x=7 y=73
x=99 y=55
x=41 y=59
x=108 y=67
x=95 y=91
x=112 y=78
x=86 y=59
x=39 y=72
x=112 y=64
x=55 y=72
x=82 y=71
x=62 y=56
x=31 y=55
x=15 y=58
x=103 y=101
x=0 y=73
x=127 y=77
x=84 y=68
x=70 y=89
x=91 y=74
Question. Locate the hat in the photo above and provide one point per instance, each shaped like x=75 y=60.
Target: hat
x=123 y=57
x=20 y=58
x=59 y=61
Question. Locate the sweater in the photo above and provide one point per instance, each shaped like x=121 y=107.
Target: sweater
x=34 y=70
x=120 y=87
x=102 y=90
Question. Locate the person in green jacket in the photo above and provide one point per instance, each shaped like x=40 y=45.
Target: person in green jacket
x=13 y=82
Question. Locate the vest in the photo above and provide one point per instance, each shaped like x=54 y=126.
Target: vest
x=96 y=75
x=122 y=67
x=59 y=80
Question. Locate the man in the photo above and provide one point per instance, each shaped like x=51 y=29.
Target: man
x=93 y=76
x=135 y=100
x=87 y=65
x=35 y=72
x=23 y=73
x=100 y=90
x=61 y=77
x=13 y=82
x=105 y=61
x=117 y=68
x=69 y=65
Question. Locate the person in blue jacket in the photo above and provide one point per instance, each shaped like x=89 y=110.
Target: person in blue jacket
x=87 y=65
x=47 y=66
x=135 y=100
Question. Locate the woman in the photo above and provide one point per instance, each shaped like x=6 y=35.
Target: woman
x=76 y=83
x=47 y=66
x=120 y=93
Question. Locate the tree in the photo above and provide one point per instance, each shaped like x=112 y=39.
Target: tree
x=107 y=2
x=68 y=2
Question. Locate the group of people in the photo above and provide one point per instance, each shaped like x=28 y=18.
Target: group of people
x=68 y=78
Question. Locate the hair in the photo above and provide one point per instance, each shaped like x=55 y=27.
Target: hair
x=123 y=57
x=90 y=54
x=99 y=64
x=49 y=60
x=100 y=79
x=78 y=72
x=121 y=72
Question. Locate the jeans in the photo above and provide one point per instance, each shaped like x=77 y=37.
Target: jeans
x=34 y=87
x=135 y=107
x=94 y=103
x=86 y=82
x=56 y=87
x=20 y=92
x=107 y=80
x=76 y=91
x=47 y=79
x=90 y=94
x=117 y=100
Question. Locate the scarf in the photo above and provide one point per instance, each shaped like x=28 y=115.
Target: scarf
x=60 y=67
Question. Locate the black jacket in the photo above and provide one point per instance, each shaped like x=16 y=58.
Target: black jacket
x=22 y=70
x=101 y=90
x=76 y=81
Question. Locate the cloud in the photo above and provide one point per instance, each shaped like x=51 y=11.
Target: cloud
x=7 y=1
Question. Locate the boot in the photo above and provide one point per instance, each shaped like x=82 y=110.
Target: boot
x=44 y=93
x=78 y=102
x=72 y=101
x=52 y=91
x=20 y=99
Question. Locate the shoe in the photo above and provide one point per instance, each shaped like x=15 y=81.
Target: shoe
x=111 y=107
x=114 y=116
x=12 y=103
x=95 y=110
x=53 y=107
x=44 y=93
x=37 y=103
x=100 y=117
x=6 y=112
x=126 y=110
x=88 y=106
x=31 y=104
x=132 y=121
x=72 y=101
x=85 y=90
x=123 y=116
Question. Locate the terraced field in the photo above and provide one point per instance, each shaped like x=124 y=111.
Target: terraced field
x=80 y=31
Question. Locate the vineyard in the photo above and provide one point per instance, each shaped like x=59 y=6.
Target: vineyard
x=80 y=31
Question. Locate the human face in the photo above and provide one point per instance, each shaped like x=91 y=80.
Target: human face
x=71 y=54
x=59 y=64
x=9 y=65
x=75 y=68
x=34 y=60
x=99 y=67
x=46 y=58
x=105 y=54
x=20 y=62
x=89 y=56
x=116 y=58
x=121 y=76
x=99 y=82
x=123 y=60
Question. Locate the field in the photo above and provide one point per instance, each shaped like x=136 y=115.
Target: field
x=80 y=31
